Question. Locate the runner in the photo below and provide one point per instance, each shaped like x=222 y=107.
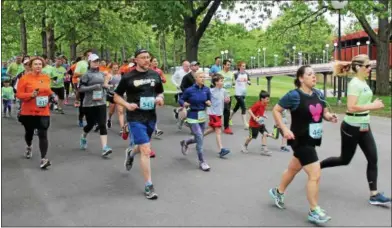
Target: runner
x=307 y=108
x=94 y=85
x=34 y=90
x=154 y=67
x=241 y=81
x=228 y=85
x=216 y=67
x=15 y=68
x=144 y=90
x=176 y=80
x=115 y=79
x=67 y=80
x=80 y=69
x=218 y=97
x=197 y=98
x=355 y=129
x=57 y=75
x=7 y=95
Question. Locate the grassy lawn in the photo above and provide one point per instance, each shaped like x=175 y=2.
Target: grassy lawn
x=280 y=85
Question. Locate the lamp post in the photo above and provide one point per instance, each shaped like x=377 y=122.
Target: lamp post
x=327 y=47
x=368 y=48
x=258 y=57
x=276 y=59
x=335 y=50
x=316 y=60
x=338 y=5
x=264 y=54
x=222 y=53
x=226 y=53
x=299 y=58
x=358 y=44
x=294 y=47
x=323 y=56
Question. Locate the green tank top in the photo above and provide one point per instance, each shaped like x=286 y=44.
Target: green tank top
x=360 y=89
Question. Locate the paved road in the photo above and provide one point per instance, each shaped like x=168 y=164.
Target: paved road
x=82 y=189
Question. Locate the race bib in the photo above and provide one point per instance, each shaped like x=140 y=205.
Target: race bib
x=364 y=127
x=315 y=130
x=261 y=121
x=147 y=103
x=202 y=116
x=41 y=101
x=97 y=95
x=227 y=85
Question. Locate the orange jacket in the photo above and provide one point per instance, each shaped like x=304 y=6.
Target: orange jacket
x=26 y=86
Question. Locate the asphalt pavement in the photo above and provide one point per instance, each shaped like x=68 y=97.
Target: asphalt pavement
x=82 y=189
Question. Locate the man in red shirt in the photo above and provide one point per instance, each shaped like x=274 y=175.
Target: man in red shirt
x=256 y=123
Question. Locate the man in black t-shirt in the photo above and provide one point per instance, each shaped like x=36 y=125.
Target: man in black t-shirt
x=144 y=90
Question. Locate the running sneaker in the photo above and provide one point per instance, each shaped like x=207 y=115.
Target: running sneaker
x=230 y=122
x=228 y=131
x=224 y=152
x=152 y=154
x=29 y=152
x=106 y=151
x=83 y=142
x=124 y=134
x=35 y=131
x=184 y=147
x=284 y=149
x=204 y=166
x=380 y=199
x=109 y=123
x=265 y=151
x=318 y=216
x=244 y=149
x=66 y=102
x=158 y=133
x=149 y=192
x=44 y=163
x=277 y=197
x=128 y=159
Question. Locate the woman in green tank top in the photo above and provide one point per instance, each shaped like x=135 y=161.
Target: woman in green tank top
x=355 y=129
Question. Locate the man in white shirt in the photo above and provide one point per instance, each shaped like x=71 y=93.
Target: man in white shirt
x=177 y=79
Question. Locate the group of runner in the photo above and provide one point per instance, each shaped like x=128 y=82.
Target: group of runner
x=137 y=88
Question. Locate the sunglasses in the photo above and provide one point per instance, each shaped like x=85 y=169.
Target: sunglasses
x=366 y=66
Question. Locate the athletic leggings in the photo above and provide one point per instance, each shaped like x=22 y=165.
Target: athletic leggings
x=240 y=103
x=226 y=114
x=41 y=123
x=96 y=115
x=81 y=109
x=350 y=138
x=197 y=131
x=67 y=86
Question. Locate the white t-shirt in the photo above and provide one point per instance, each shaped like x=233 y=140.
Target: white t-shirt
x=241 y=83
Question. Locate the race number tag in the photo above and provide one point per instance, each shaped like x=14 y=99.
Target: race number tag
x=147 y=103
x=315 y=130
x=202 y=116
x=97 y=95
x=261 y=120
x=364 y=127
x=41 y=101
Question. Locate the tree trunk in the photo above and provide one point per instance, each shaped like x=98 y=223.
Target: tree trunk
x=382 y=71
x=73 y=45
x=191 y=41
x=174 y=52
x=101 y=55
x=23 y=33
x=123 y=54
x=163 y=40
x=107 y=54
x=115 y=57
x=50 y=41
x=43 y=35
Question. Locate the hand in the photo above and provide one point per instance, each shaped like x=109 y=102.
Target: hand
x=333 y=118
x=131 y=106
x=288 y=134
x=255 y=118
x=159 y=101
x=186 y=104
x=265 y=117
x=35 y=93
x=378 y=104
x=208 y=103
x=227 y=99
x=106 y=86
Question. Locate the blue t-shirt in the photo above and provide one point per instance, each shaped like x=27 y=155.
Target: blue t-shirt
x=215 y=69
x=292 y=99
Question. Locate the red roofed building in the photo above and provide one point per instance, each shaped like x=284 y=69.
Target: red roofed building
x=350 y=48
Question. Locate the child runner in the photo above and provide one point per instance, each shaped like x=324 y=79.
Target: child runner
x=7 y=94
x=256 y=123
x=218 y=97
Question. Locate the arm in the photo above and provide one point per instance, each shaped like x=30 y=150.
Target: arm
x=353 y=107
x=277 y=114
x=20 y=91
x=185 y=96
x=84 y=85
x=184 y=83
x=173 y=79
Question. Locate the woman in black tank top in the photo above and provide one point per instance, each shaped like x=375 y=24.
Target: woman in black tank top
x=307 y=107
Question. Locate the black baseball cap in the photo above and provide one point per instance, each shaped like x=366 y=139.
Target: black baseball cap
x=195 y=63
x=140 y=51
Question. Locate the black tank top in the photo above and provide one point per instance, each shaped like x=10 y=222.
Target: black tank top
x=306 y=120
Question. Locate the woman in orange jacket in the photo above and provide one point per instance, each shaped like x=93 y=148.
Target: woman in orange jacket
x=34 y=92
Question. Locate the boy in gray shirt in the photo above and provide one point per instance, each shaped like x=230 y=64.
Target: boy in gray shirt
x=219 y=96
